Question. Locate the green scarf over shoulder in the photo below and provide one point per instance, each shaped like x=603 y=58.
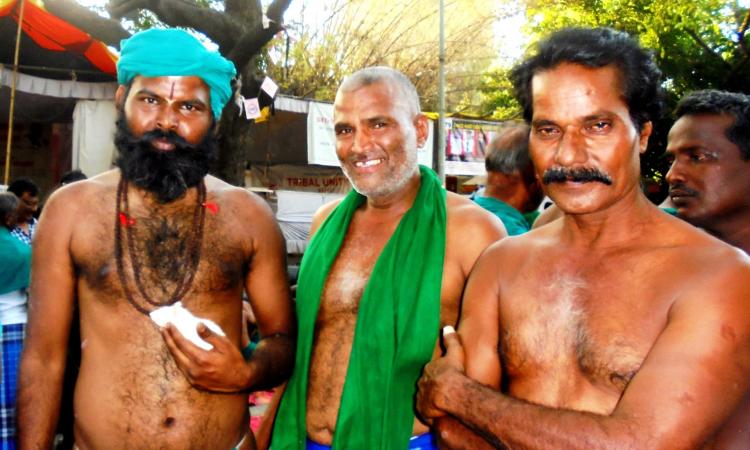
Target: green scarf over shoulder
x=396 y=331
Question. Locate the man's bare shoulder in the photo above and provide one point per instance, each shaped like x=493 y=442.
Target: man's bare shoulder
x=465 y=216
x=322 y=213
x=82 y=195
x=238 y=200
x=695 y=244
x=511 y=252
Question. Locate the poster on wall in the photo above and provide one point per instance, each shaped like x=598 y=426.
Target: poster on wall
x=466 y=143
x=321 y=138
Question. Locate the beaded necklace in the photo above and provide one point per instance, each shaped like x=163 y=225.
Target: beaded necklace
x=195 y=235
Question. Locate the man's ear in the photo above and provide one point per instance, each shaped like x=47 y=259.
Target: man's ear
x=120 y=96
x=423 y=130
x=646 y=130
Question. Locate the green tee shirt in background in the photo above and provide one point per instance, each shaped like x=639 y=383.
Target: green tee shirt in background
x=396 y=331
x=515 y=223
x=15 y=262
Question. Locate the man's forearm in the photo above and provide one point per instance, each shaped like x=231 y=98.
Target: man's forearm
x=38 y=400
x=454 y=435
x=272 y=362
x=520 y=425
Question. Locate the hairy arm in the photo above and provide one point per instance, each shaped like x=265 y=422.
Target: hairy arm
x=690 y=382
x=467 y=219
x=479 y=330
x=50 y=312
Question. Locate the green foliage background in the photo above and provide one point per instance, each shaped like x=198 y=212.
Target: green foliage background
x=698 y=44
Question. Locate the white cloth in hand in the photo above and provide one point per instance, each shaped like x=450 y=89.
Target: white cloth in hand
x=185 y=322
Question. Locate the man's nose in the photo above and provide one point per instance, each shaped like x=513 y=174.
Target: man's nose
x=167 y=119
x=675 y=173
x=362 y=141
x=571 y=148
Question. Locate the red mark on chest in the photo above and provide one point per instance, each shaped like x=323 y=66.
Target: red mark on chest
x=126 y=221
x=213 y=207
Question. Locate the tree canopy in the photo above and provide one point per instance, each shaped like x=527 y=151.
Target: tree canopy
x=338 y=37
x=698 y=44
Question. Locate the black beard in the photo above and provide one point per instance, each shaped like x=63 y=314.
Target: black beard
x=165 y=174
x=578 y=174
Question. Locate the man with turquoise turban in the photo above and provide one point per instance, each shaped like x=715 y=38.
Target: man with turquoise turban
x=156 y=255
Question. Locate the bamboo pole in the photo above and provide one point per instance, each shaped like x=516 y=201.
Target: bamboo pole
x=13 y=93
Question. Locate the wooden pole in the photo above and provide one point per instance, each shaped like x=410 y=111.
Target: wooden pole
x=13 y=93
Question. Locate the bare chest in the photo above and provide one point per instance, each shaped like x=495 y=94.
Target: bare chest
x=350 y=273
x=160 y=256
x=593 y=326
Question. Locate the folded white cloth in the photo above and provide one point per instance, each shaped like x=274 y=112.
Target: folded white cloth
x=185 y=322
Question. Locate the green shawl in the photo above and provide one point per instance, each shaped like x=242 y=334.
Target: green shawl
x=396 y=331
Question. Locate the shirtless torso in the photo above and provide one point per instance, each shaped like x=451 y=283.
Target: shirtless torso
x=599 y=315
x=130 y=393
x=469 y=230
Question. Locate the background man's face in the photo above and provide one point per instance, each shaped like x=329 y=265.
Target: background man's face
x=708 y=180
x=376 y=139
x=27 y=207
x=179 y=104
x=580 y=121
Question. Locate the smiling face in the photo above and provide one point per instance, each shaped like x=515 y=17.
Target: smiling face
x=708 y=179
x=376 y=138
x=583 y=138
x=179 y=104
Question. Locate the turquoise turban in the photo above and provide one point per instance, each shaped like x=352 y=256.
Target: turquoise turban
x=172 y=52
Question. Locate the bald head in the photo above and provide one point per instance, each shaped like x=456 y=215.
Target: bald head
x=381 y=74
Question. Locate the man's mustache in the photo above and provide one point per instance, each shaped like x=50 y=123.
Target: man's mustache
x=577 y=174
x=681 y=190
x=169 y=136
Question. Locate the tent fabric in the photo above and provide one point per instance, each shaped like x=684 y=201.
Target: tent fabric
x=57 y=88
x=53 y=33
x=93 y=136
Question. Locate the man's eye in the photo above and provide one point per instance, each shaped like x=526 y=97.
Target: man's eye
x=149 y=100
x=600 y=126
x=546 y=132
x=377 y=125
x=343 y=130
x=702 y=156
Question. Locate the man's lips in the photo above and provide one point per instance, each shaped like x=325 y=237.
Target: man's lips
x=681 y=195
x=368 y=163
x=162 y=145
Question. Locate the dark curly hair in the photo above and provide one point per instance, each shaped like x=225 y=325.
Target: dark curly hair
x=711 y=101
x=597 y=47
x=23 y=184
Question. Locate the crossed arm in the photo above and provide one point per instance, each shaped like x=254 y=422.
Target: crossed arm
x=690 y=382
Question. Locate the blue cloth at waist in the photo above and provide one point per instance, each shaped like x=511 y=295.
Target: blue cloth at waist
x=420 y=442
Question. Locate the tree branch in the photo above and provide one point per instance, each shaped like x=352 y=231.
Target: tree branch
x=254 y=38
x=741 y=33
x=220 y=27
x=106 y=30
x=705 y=47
